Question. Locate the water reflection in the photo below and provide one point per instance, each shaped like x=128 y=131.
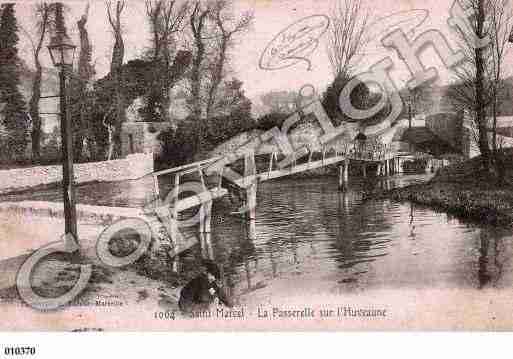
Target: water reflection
x=412 y=222
x=490 y=261
x=307 y=229
x=310 y=237
x=483 y=275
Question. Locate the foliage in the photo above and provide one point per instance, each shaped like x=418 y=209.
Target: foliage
x=361 y=97
x=165 y=19
x=479 y=76
x=270 y=120
x=160 y=79
x=81 y=96
x=179 y=145
x=346 y=36
x=15 y=119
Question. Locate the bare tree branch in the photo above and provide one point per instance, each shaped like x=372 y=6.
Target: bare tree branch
x=346 y=35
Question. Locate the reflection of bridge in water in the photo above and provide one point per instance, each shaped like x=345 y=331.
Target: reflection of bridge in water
x=198 y=184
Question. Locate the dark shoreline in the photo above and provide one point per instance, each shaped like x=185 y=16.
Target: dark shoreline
x=484 y=204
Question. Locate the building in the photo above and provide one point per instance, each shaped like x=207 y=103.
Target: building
x=470 y=146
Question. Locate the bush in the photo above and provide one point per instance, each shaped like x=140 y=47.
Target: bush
x=178 y=146
x=270 y=120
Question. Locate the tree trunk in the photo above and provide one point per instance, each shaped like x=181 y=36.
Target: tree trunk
x=494 y=125
x=117 y=60
x=479 y=86
x=217 y=77
x=196 y=88
x=195 y=82
x=34 y=112
x=116 y=70
x=36 y=88
x=85 y=74
x=497 y=155
x=197 y=22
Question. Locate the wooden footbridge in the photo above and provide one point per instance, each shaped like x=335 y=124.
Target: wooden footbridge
x=198 y=184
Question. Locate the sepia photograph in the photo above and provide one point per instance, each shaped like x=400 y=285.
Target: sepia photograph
x=255 y=165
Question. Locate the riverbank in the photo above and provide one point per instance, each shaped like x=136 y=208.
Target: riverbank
x=464 y=190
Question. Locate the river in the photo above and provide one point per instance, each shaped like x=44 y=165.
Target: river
x=312 y=239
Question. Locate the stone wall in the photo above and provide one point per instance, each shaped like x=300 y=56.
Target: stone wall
x=132 y=167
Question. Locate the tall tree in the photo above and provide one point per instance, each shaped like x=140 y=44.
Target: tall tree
x=198 y=24
x=214 y=29
x=14 y=116
x=81 y=90
x=118 y=54
x=346 y=38
x=227 y=28
x=480 y=77
x=480 y=87
x=233 y=115
x=500 y=31
x=43 y=14
x=166 y=18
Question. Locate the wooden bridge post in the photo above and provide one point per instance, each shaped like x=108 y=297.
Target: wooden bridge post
x=173 y=224
x=207 y=251
x=343 y=175
x=205 y=210
x=340 y=178
x=206 y=217
x=251 y=193
x=250 y=172
x=252 y=230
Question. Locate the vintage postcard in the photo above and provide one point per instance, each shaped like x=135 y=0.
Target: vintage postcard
x=284 y=165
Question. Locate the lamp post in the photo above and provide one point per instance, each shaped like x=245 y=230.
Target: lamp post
x=62 y=52
x=409 y=111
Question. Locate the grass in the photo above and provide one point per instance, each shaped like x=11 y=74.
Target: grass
x=465 y=190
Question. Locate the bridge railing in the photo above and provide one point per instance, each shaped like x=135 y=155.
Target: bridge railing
x=369 y=151
x=373 y=150
x=197 y=168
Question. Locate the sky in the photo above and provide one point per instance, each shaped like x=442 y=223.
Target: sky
x=271 y=18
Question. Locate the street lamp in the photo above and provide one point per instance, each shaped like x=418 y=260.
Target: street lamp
x=409 y=111
x=62 y=52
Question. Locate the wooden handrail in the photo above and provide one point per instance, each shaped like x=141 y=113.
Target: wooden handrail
x=187 y=166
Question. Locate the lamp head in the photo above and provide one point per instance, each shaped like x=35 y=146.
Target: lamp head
x=62 y=50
